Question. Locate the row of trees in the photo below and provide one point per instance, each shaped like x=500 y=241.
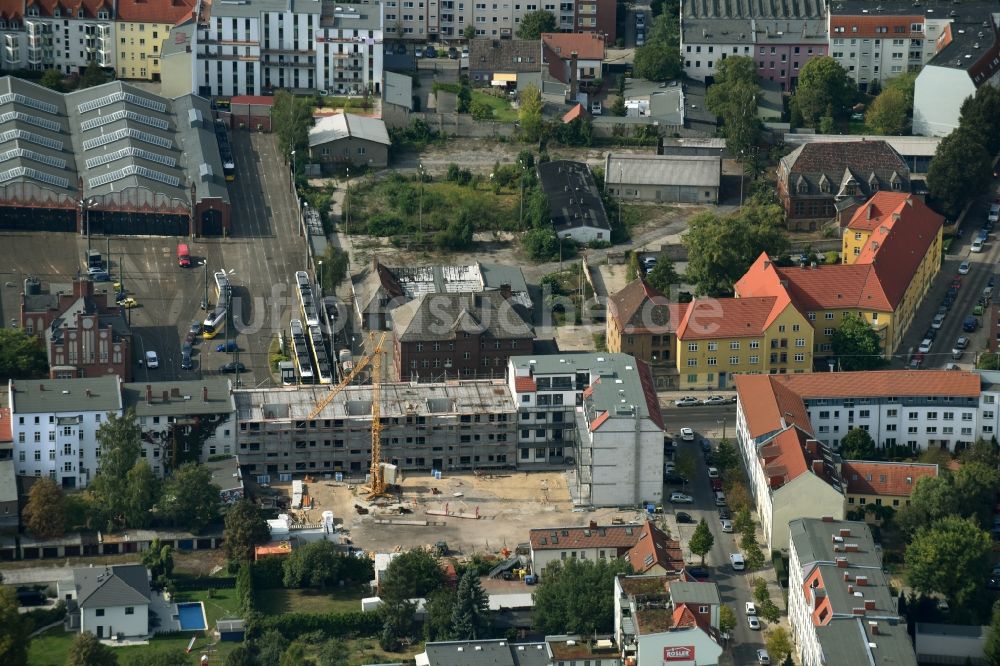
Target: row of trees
x=659 y=59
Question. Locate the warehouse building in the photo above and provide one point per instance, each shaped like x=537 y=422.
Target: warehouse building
x=665 y=178
x=112 y=159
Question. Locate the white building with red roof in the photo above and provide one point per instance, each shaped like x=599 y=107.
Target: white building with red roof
x=598 y=412
x=647 y=548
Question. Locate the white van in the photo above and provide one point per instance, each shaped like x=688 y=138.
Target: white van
x=152 y=360
x=977 y=245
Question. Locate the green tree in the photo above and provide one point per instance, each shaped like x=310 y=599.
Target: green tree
x=981 y=114
x=469 y=33
x=119 y=439
x=975 y=487
x=769 y=611
x=988 y=361
x=663 y=276
x=159 y=559
x=397 y=622
x=240 y=656
x=888 y=114
x=321 y=564
x=857 y=345
x=726 y=458
x=21 y=356
x=733 y=97
x=576 y=596
x=86 y=650
x=982 y=451
x=657 y=60
x=857 y=444
x=295 y=655
x=245 y=528
x=44 y=514
x=686 y=464
x=992 y=647
x=270 y=647
x=932 y=498
x=464 y=96
x=438 y=612
x=471 y=617
x=190 y=500
x=960 y=170
x=292 y=116
x=760 y=593
x=143 y=489
x=823 y=87
x=13 y=631
x=701 y=541
x=753 y=556
x=533 y=24
x=779 y=643
x=530 y=112
x=904 y=83
x=951 y=556
x=721 y=249
x=618 y=107
x=93 y=76
x=335 y=265
x=542 y=244
x=480 y=110
x=411 y=575
x=333 y=653
x=52 y=79
x=727 y=619
x=743 y=523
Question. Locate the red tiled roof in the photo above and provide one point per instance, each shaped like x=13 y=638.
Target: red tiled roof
x=633 y=307
x=712 y=318
x=655 y=548
x=154 y=11
x=881 y=383
x=621 y=537
x=525 y=384
x=261 y=100
x=784 y=457
x=870 y=215
x=11 y=9
x=70 y=8
x=765 y=404
x=5 y=425
x=867 y=26
x=840 y=286
x=684 y=616
x=588 y=45
x=574 y=113
x=894 y=479
x=649 y=392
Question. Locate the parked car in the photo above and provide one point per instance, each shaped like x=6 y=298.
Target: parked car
x=640 y=39
x=595 y=108
x=751 y=608
x=186 y=362
x=736 y=559
x=970 y=324
x=763 y=658
x=430 y=52
x=687 y=434
x=452 y=53
x=715 y=400
x=964 y=267
x=925 y=345
x=228 y=346
x=669 y=467
x=994 y=214
x=128 y=302
x=938 y=321
x=962 y=342
x=687 y=401
x=232 y=367
x=674 y=480
x=713 y=472
x=727 y=526
x=977 y=245
x=152 y=360
x=683 y=517
x=725 y=513
x=978 y=309
x=916 y=361
x=680 y=498
x=701 y=573
x=753 y=622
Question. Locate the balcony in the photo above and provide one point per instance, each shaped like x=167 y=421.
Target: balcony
x=38 y=56
x=105 y=58
x=37 y=28
x=11 y=57
x=293 y=52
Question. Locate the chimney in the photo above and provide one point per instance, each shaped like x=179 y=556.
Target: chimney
x=847 y=576
x=593 y=524
x=842 y=563
x=41 y=387
x=851 y=548
x=827 y=519
x=149 y=394
x=845 y=531
x=862 y=581
x=873 y=627
x=204 y=394
x=573 y=75
x=850 y=588
x=812 y=446
x=83 y=287
x=858 y=611
x=87 y=392
x=869 y=604
x=817 y=468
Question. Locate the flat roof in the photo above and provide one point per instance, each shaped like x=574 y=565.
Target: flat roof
x=397 y=400
x=44 y=396
x=908 y=146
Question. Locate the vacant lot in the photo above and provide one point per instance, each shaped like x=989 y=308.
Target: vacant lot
x=280 y=600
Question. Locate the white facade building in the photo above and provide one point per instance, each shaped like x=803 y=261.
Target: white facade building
x=606 y=407
x=110 y=601
x=245 y=48
x=54 y=425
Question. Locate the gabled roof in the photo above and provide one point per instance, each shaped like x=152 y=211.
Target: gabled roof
x=154 y=11
x=588 y=45
x=881 y=383
x=119 y=585
x=837 y=286
x=444 y=316
x=576 y=112
x=769 y=406
x=574 y=200
x=622 y=537
x=655 y=548
x=789 y=455
x=505 y=55
x=636 y=305
x=713 y=318
x=831 y=166
x=894 y=479
x=348 y=125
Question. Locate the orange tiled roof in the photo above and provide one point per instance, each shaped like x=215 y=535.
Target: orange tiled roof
x=840 y=286
x=622 y=537
x=574 y=113
x=881 y=383
x=633 y=307
x=70 y=8
x=712 y=318
x=870 y=215
x=649 y=393
x=894 y=479
x=525 y=384
x=11 y=9
x=654 y=548
x=784 y=457
x=867 y=26
x=5 y=425
x=769 y=406
x=588 y=45
x=154 y=11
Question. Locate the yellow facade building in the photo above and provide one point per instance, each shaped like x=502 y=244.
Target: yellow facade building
x=141 y=30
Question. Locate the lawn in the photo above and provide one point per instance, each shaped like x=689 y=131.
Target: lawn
x=343 y=600
x=398 y=206
x=367 y=651
x=501 y=107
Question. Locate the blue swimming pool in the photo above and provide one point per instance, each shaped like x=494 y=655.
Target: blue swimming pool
x=191 y=616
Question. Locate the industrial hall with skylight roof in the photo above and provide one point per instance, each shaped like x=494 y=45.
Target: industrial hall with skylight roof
x=112 y=159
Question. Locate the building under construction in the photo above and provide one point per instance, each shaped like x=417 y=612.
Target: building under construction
x=456 y=425
x=112 y=159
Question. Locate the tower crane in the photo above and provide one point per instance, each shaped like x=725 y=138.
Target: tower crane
x=335 y=391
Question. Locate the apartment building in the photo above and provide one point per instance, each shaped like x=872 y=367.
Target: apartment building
x=720 y=338
x=636 y=543
x=664 y=619
x=643 y=323
x=876 y=43
x=450 y=426
x=142 y=27
x=881 y=484
x=54 y=424
x=892 y=252
x=66 y=36
x=840 y=605
x=183 y=421
x=600 y=407
x=780 y=37
x=968 y=57
x=245 y=48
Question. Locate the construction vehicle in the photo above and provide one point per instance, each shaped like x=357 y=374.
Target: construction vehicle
x=377 y=485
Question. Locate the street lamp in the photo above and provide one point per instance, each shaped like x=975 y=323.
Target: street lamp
x=320 y=264
x=723 y=422
x=85 y=207
x=291 y=175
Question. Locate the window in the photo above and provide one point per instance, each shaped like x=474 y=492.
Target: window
x=811 y=316
x=800 y=358
x=692 y=346
x=712 y=360
x=754 y=344
x=99 y=612
x=800 y=342
x=828 y=315
x=713 y=346
x=734 y=360
x=735 y=344
x=754 y=360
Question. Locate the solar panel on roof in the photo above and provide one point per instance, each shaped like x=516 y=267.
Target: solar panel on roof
x=109 y=118
x=44 y=123
x=32 y=155
x=10 y=135
x=131 y=151
x=41 y=176
x=116 y=97
x=24 y=100
x=130 y=133
x=134 y=170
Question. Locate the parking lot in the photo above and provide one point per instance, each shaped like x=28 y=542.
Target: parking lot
x=262 y=253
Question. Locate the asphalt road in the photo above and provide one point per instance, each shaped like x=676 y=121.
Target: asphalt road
x=706 y=420
x=734 y=586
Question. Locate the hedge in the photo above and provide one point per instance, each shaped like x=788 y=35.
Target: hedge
x=332 y=625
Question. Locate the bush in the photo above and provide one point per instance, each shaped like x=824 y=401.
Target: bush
x=331 y=625
x=244 y=589
x=43 y=617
